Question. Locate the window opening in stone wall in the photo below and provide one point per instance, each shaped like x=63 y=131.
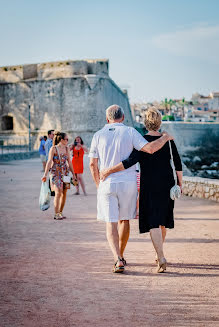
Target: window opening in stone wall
x=7 y=123
x=90 y=69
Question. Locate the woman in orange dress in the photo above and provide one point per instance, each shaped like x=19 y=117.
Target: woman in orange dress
x=78 y=149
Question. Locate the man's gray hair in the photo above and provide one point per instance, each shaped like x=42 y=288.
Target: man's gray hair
x=114 y=112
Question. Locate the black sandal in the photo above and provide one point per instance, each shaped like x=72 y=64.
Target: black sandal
x=124 y=261
x=118 y=269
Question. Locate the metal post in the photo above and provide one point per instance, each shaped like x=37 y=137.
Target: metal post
x=29 y=132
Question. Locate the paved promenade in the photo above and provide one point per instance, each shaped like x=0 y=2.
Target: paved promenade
x=58 y=273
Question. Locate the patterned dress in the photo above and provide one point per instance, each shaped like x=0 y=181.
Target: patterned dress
x=57 y=169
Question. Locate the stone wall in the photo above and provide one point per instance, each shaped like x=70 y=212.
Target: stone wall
x=75 y=105
x=201 y=188
x=51 y=70
x=11 y=74
x=193 y=136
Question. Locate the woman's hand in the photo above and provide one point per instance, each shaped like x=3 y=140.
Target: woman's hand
x=43 y=179
x=168 y=136
x=104 y=174
x=74 y=180
x=74 y=177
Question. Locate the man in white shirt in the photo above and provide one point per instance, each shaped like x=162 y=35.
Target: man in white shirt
x=117 y=194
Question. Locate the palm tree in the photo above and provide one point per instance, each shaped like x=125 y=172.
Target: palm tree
x=183 y=103
x=167 y=105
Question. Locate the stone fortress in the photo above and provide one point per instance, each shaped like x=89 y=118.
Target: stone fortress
x=69 y=96
x=72 y=96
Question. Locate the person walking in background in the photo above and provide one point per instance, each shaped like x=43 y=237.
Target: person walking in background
x=48 y=143
x=60 y=163
x=48 y=146
x=156 y=206
x=42 y=152
x=78 y=149
x=117 y=195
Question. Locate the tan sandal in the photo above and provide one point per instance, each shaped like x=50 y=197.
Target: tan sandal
x=58 y=216
x=63 y=217
x=162 y=265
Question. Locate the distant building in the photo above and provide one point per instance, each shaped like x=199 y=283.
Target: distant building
x=214 y=106
x=138 y=110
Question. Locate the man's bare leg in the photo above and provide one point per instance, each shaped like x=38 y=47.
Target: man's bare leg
x=113 y=240
x=124 y=232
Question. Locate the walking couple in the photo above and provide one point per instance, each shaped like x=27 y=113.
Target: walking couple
x=115 y=149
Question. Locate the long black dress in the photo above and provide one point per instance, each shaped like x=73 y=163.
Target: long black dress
x=155 y=205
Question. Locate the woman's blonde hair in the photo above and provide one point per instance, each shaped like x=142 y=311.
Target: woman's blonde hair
x=152 y=119
x=58 y=136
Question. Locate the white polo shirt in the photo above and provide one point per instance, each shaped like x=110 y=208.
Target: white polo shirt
x=113 y=144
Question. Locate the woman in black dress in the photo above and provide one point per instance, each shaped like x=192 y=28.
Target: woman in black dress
x=155 y=206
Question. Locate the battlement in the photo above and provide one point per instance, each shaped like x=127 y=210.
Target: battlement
x=53 y=70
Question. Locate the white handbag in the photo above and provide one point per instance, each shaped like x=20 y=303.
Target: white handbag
x=175 y=191
x=66 y=179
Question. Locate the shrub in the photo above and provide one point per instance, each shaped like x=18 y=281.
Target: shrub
x=168 y=118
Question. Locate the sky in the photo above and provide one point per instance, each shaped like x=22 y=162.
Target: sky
x=156 y=49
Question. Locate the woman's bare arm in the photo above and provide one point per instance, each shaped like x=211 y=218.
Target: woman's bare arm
x=71 y=146
x=85 y=148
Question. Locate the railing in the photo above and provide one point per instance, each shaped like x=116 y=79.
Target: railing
x=14 y=146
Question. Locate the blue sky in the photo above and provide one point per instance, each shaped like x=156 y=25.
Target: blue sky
x=157 y=49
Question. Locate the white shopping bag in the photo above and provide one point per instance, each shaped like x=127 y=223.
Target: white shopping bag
x=45 y=195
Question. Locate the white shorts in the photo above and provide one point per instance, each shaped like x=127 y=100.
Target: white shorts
x=116 y=201
x=43 y=158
